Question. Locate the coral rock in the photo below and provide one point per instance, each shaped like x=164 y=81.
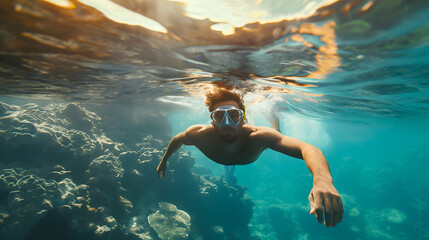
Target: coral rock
x=170 y=223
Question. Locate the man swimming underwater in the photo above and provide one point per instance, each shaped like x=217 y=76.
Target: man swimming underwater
x=229 y=141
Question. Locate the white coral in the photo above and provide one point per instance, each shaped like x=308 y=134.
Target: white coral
x=169 y=222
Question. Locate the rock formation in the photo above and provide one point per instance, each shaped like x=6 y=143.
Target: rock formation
x=59 y=168
x=170 y=223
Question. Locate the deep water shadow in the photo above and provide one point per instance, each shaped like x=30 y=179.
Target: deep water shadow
x=283 y=226
x=53 y=226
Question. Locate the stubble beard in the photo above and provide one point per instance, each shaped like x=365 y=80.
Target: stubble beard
x=228 y=137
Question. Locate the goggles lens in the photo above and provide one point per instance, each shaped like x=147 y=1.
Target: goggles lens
x=217 y=116
x=232 y=114
x=235 y=115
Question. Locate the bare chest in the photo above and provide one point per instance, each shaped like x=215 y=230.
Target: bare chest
x=244 y=154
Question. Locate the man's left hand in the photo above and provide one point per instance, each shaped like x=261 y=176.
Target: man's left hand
x=325 y=197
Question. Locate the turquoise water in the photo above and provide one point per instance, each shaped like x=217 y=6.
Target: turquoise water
x=377 y=167
x=92 y=94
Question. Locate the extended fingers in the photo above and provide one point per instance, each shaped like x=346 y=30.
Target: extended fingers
x=341 y=209
x=328 y=204
x=334 y=212
x=329 y=214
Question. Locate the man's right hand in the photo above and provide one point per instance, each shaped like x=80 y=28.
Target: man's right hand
x=161 y=169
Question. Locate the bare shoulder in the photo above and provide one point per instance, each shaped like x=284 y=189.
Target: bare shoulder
x=271 y=138
x=256 y=131
x=263 y=136
x=196 y=133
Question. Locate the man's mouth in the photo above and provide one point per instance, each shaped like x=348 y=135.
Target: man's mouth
x=228 y=129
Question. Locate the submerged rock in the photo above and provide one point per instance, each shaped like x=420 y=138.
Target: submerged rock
x=170 y=223
x=79 y=118
x=393 y=215
x=105 y=170
x=29 y=199
x=59 y=167
x=139 y=227
x=65 y=134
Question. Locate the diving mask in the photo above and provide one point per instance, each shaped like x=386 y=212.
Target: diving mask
x=226 y=116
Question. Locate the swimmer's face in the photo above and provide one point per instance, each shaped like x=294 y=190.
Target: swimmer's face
x=230 y=133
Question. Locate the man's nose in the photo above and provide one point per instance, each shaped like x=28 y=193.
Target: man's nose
x=227 y=121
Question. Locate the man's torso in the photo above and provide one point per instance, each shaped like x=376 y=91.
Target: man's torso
x=246 y=151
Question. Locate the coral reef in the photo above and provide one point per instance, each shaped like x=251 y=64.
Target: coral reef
x=64 y=134
x=62 y=177
x=29 y=199
x=170 y=223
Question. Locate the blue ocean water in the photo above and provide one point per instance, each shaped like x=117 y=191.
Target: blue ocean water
x=91 y=94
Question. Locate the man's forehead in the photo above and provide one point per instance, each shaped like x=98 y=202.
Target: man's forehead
x=230 y=102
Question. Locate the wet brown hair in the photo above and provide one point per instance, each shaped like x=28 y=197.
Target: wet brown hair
x=217 y=95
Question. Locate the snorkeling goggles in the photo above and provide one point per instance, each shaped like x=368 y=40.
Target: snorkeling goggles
x=227 y=116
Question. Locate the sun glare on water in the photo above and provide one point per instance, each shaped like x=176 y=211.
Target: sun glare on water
x=116 y=12
x=227 y=15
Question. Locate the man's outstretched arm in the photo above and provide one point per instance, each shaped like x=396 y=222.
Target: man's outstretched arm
x=323 y=197
x=323 y=193
x=175 y=143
